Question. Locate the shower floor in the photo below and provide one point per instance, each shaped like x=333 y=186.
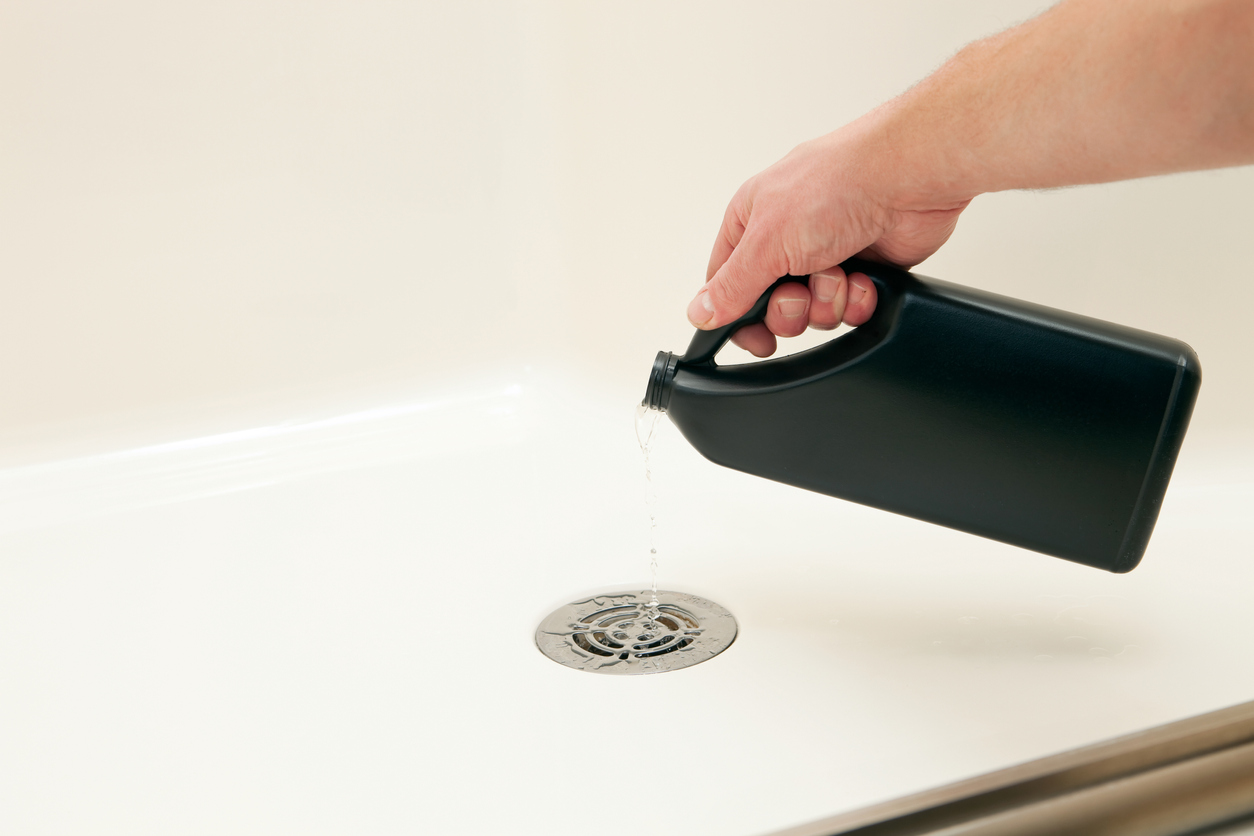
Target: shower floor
x=328 y=627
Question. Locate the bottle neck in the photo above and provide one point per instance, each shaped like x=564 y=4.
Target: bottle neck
x=658 y=393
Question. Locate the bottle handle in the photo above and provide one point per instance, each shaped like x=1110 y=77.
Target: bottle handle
x=706 y=344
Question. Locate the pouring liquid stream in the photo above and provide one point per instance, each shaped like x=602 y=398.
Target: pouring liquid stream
x=646 y=427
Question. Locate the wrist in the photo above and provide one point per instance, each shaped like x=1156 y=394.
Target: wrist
x=924 y=162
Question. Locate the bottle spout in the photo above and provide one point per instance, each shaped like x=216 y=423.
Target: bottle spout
x=701 y=351
x=661 y=378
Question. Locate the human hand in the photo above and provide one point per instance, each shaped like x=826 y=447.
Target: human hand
x=831 y=198
x=1070 y=97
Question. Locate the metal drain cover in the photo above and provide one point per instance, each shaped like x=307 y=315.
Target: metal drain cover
x=622 y=633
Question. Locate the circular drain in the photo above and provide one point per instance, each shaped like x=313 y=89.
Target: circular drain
x=624 y=633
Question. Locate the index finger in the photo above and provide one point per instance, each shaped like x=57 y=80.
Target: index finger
x=729 y=235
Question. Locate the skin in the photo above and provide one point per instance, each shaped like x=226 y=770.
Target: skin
x=1091 y=91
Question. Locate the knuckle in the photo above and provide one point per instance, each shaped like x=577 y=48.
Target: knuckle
x=728 y=290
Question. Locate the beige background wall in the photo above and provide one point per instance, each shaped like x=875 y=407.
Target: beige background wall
x=218 y=214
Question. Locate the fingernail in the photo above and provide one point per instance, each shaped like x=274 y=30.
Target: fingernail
x=825 y=287
x=792 y=307
x=856 y=292
x=700 y=309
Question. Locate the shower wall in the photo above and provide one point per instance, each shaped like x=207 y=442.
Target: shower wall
x=214 y=215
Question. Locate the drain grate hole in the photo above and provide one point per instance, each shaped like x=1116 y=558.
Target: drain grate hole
x=671 y=648
x=605 y=641
x=581 y=641
x=675 y=616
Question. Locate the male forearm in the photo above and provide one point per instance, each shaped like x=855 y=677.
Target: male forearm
x=1091 y=91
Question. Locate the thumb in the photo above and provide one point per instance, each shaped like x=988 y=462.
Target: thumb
x=735 y=286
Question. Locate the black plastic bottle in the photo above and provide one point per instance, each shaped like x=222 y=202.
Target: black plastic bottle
x=1028 y=425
